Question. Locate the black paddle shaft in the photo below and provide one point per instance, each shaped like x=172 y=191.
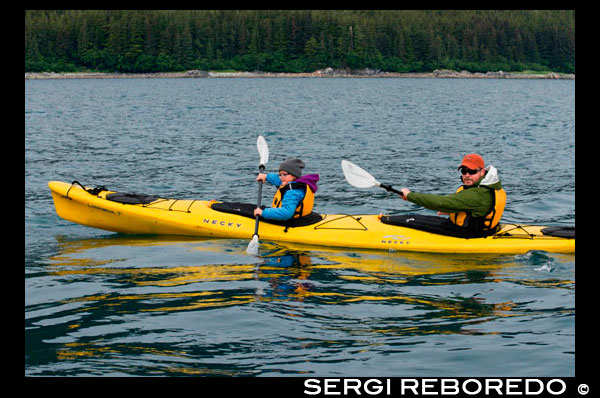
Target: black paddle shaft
x=390 y=189
x=260 y=185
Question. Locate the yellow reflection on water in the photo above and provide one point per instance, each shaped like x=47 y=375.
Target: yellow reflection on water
x=219 y=274
x=76 y=350
x=169 y=276
x=288 y=271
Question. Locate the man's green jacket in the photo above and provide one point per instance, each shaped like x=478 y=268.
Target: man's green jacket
x=477 y=199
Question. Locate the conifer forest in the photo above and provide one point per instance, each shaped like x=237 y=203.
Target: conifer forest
x=142 y=41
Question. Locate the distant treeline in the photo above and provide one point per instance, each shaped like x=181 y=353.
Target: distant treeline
x=299 y=40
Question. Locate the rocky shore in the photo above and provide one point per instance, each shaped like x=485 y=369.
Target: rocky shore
x=324 y=73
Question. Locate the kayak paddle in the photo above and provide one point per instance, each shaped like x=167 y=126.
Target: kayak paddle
x=263 y=151
x=361 y=178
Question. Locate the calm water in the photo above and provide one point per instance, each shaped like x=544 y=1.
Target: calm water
x=103 y=304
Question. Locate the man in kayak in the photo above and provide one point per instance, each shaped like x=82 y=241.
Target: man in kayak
x=477 y=205
x=295 y=195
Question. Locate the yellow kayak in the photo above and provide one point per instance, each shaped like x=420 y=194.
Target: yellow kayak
x=143 y=214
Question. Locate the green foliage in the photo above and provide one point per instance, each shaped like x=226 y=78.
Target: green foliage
x=299 y=40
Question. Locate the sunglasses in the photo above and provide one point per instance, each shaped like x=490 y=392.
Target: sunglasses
x=283 y=174
x=466 y=170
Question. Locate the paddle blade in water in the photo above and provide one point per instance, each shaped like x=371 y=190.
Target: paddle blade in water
x=253 y=245
x=356 y=176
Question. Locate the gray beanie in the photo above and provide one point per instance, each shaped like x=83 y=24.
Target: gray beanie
x=293 y=166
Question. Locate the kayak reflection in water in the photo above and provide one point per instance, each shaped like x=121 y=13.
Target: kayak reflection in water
x=287 y=275
x=295 y=195
x=476 y=206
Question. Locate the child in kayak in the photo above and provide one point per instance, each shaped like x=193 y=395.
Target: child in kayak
x=477 y=205
x=295 y=194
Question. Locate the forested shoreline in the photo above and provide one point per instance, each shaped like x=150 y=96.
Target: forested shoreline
x=299 y=41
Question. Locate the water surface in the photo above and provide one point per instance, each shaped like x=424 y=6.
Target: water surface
x=104 y=304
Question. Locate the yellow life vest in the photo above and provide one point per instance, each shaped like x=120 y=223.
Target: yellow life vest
x=492 y=219
x=306 y=205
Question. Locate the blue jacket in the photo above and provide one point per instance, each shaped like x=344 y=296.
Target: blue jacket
x=291 y=199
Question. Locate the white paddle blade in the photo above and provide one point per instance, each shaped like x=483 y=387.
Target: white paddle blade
x=253 y=245
x=263 y=150
x=358 y=177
